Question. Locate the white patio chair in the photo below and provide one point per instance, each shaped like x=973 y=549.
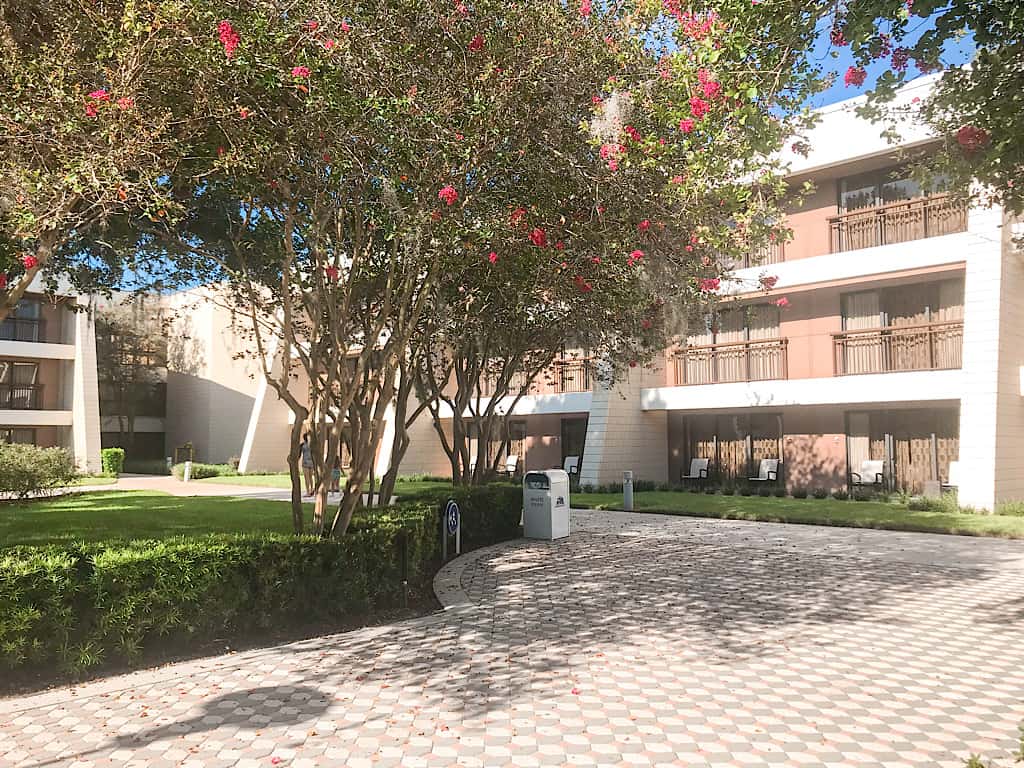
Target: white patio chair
x=698 y=471
x=511 y=465
x=767 y=471
x=872 y=473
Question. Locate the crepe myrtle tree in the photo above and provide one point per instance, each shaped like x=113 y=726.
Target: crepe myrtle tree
x=352 y=174
x=96 y=112
x=976 y=107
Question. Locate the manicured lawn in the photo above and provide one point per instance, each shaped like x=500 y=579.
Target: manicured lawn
x=285 y=481
x=851 y=514
x=108 y=515
x=94 y=480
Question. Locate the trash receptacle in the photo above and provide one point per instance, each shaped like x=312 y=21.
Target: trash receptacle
x=546 y=504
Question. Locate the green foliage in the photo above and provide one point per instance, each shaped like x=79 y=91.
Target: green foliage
x=27 y=470
x=728 y=490
x=80 y=605
x=947 y=503
x=840 y=495
x=200 y=471
x=146 y=466
x=1013 y=508
x=799 y=492
x=820 y=493
x=764 y=491
x=112 y=461
x=864 y=494
x=779 y=491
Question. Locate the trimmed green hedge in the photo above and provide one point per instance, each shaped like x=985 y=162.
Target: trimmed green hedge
x=78 y=606
x=201 y=471
x=112 y=461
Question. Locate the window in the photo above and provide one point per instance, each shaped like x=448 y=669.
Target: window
x=751 y=323
x=18 y=385
x=887 y=185
x=17 y=435
x=23 y=323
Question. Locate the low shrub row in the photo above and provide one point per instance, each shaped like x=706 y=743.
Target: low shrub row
x=112 y=461
x=78 y=606
x=26 y=470
x=200 y=471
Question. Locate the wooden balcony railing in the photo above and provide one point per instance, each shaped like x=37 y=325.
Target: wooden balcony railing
x=898 y=222
x=563 y=377
x=21 y=397
x=738 y=361
x=22 y=329
x=934 y=346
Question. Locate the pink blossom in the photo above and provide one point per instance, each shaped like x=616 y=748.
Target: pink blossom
x=312 y=26
x=332 y=273
x=476 y=44
x=300 y=71
x=596 y=100
x=229 y=38
x=855 y=76
x=710 y=284
x=126 y=102
x=90 y=110
x=676 y=180
x=699 y=107
x=243 y=113
x=686 y=125
x=712 y=89
x=900 y=57
x=329 y=44
x=30 y=261
x=646 y=325
x=517 y=216
x=971 y=139
x=838 y=36
x=448 y=194
x=492 y=257
x=644 y=225
x=559 y=246
x=585 y=8
x=345 y=26
x=462 y=10
x=100 y=95
x=768 y=281
x=633 y=133
x=3 y=280
x=538 y=237
x=782 y=302
x=635 y=257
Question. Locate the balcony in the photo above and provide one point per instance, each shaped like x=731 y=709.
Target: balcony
x=739 y=361
x=23 y=329
x=564 y=376
x=21 y=397
x=929 y=347
x=898 y=222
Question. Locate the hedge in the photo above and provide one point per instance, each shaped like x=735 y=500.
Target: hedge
x=27 y=470
x=201 y=471
x=78 y=606
x=112 y=461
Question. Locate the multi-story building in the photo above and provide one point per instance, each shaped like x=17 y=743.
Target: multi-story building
x=48 y=388
x=902 y=342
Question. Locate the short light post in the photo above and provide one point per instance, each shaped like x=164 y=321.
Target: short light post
x=627 y=490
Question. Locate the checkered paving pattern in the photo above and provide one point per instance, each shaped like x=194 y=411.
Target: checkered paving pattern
x=639 y=641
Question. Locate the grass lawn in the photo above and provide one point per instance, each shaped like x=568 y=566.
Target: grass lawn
x=94 y=480
x=110 y=515
x=285 y=481
x=850 y=514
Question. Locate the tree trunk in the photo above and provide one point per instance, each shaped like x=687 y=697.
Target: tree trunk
x=294 y=455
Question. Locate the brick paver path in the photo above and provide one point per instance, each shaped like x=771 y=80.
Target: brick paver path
x=642 y=641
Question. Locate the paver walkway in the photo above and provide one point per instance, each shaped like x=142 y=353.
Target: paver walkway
x=642 y=640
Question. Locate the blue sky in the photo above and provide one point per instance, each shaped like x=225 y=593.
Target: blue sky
x=956 y=52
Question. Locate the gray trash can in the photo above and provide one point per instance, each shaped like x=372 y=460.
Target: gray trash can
x=546 y=504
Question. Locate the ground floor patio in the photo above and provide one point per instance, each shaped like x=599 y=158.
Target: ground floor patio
x=641 y=640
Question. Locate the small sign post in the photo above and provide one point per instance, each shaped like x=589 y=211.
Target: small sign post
x=452 y=525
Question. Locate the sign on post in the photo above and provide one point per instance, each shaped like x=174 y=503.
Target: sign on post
x=452 y=527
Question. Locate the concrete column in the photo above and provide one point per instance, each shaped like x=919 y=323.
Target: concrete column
x=992 y=406
x=85 y=406
x=621 y=435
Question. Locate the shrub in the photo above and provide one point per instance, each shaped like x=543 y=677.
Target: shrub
x=27 y=470
x=710 y=490
x=200 y=471
x=728 y=490
x=644 y=485
x=694 y=489
x=1014 y=508
x=746 y=490
x=820 y=493
x=780 y=491
x=799 y=492
x=78 y=606
x=665 y=487
x=863 y=494
x=840 y=495
x=112 y=461
x=764 y=491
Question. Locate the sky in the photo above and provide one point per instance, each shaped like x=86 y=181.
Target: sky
x=957 y=52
